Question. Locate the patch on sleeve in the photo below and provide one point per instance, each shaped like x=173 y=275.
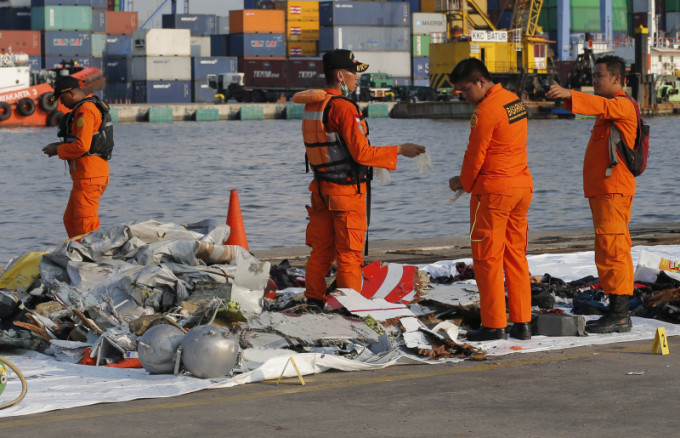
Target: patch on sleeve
x=80 y=121
x=473 y=118
x=516 y=111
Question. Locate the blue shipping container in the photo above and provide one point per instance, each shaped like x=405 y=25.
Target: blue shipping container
x=202 y=67
x=94 y=3
x=118 y=92
x=66 y=43
x=413 y=5
x=99 y=20
x=258 y=4
x=257 y=44
x=118 y=69
x=421 y=67
x=35 y=62
x=15 y=19
x=219 y=45
x=88 y=61
x=364 y=14
x=365 y=38
x=198 y=24
x=402 y=81
x=162 y=91
x=203 y=93
x=119 y=45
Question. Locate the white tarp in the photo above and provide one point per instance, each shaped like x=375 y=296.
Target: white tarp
x=58 y=385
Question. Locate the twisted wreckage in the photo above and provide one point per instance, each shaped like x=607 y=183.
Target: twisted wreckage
x=128 y=295
x=92 y=301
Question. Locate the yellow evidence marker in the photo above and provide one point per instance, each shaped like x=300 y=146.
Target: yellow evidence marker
x=660 y=342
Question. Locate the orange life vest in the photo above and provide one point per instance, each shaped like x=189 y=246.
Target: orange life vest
x=326 y=152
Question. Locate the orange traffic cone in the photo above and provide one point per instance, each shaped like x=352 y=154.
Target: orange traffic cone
x=237 y=236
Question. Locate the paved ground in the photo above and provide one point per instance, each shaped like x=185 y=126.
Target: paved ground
x=585 y=391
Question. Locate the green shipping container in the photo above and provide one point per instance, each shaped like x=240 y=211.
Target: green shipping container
x=61 y=18
x=672 y=6
x=620 y=20
x=583 y=19
x=420 y=45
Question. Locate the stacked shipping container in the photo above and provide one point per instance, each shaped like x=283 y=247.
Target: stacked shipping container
x=377 y=32
x=302 y=27
x=118 y=61
x=427 y=27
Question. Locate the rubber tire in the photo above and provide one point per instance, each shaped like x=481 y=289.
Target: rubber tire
x=5 y=111
x=45 y=103
x=54 y=118
x=26 y=107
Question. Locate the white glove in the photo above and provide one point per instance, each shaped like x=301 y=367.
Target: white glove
x=424 y=161
x=384 y=175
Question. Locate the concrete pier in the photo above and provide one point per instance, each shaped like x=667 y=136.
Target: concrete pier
x=130 y=113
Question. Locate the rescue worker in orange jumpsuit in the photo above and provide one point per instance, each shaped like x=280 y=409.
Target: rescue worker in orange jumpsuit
x=610 y=190
x=87 y=135
x=495 y=171
x=339 y=154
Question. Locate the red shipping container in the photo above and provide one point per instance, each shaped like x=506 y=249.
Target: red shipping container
x=21 y=41
x=264 y=72
x=121 y=22
x=306 y=73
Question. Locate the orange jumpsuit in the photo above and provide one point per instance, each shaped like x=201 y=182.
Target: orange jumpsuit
x=495 y=171
x=610 y=198
x=90 y=173
x=337 y=218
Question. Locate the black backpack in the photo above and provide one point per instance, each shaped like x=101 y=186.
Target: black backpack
x=635 y=158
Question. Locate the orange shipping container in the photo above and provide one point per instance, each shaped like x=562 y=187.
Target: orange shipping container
x=302 y=30
x=21 y=41
x=121 y=22
x=427 y=6
x=256 y=21
x=299 y=10
x=303 y=48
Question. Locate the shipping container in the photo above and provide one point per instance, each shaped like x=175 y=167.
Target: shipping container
x=202 y=93
x=414 y=6
x=259 y=4
x=222 y=25
x=673 y=21
x=21 y=41
x=15 y=19
x=87 y=61
x=421 y=82
x=161 y=91
x=257 y=44
x=425 y=23
x=118 y=92
x=643 y=6
x=161 y=68
x=99 y=20
x=256 y=21
x=61 y=18
x=420 y=46
x=118 y=69
x=302 y=48
x=640 y=19
x=299 y=10
x=365 y=38
x=72 y=43
x=121 y=23
x=364 y=14
x=161 y=42
x=198 y=24
x=15 y=4
x=402 y=82
x=264 y=72
x=306 y=73
x=219 y=45
x=394 y=63
x=35 y=62
x=119 y=45
x=93 y=3
x=202 y=67
x=672 y=5
x=421 y=68
x=302 y=30
x=200 y=45
x=427 y=6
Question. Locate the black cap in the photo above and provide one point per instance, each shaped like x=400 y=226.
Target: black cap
x=62 y=85
x=342 y=59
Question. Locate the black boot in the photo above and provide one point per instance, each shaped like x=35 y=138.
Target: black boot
x=616 y=321
x=486 y=334
x=521 y=331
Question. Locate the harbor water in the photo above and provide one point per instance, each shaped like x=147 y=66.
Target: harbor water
x=182 y=172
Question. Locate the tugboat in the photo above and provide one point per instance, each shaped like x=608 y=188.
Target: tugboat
x=25 y=94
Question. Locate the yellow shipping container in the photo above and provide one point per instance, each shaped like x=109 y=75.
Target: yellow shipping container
x=299 y=10
x=302 y=30
x=303 y=48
